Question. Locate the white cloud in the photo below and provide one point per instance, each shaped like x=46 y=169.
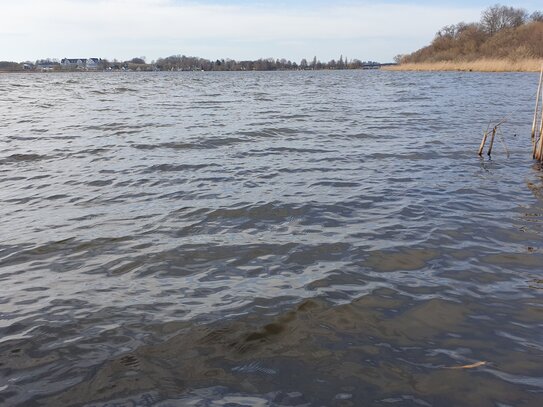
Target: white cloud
x=120 y=28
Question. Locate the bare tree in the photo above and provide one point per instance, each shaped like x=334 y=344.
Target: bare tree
x=497 y=17
x=536 y=16
x=447 y=31
x=138 y=60
x=398 y=58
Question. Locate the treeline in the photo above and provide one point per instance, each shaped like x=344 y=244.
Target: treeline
x=182 y=62
x=8 y=66
x=188 y=63
x=502 y=33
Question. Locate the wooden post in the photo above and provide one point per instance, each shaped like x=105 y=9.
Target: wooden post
x=534 y=124
x=539 y=149
x=536 y=143
x=492 y=140
x=482 y=146
x=541 y=136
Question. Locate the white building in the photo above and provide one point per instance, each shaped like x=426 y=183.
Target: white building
x=81 y=63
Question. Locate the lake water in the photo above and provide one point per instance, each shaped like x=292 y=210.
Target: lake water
x=269 y=238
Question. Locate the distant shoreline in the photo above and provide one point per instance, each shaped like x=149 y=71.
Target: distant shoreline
x=481 y=65
x=57 y=71
x=184 y=63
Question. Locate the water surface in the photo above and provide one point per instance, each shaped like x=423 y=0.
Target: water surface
x=274 y=238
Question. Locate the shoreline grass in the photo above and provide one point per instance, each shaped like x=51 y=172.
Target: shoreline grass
x=481 y=65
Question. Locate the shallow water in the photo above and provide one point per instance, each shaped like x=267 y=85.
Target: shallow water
x=283 y=238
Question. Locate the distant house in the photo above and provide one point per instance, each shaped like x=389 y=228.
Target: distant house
x=73 y=62
x=81 y=63
x=93 y=63
x=46 y=65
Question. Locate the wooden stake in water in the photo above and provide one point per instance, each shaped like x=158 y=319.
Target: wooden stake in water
x=535 y=153
x=485 y=136
x=482 y=146
x=492 y=140
x=536 y=112
x=540 y=152
x=535 y=144
x=537 y=137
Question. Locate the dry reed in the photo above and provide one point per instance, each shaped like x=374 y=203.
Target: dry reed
x=481 y=65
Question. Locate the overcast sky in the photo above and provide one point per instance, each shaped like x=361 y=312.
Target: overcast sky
x=239 y=29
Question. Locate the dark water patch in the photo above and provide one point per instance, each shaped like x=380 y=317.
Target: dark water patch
x=336 y=184
x=122 y=89
x=56 y=196
x=308 y=169
x=128 y=132
x=406 y=259
x=37 y=177
x=223 y=141
x=297 y=150
x=23 y=158
x=178 y=168
x=67 y=246
x=266 y=211
x=23 y=200
x=21 y=138
x=195 y=144
x=325 y=252
x=299 y=117
x=117 y=127
x=262 y=132
x=100 y=183
x=284 y=150
x=145 y=146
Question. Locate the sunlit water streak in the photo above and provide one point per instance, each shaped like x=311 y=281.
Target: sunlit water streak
x=284 y=238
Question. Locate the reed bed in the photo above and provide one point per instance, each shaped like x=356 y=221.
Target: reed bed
x=481 y=65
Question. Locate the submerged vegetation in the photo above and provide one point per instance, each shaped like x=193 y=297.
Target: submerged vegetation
x=505 y=38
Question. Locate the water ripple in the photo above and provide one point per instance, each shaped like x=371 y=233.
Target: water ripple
x=286 y=238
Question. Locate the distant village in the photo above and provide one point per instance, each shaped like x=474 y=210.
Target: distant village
x=182 y=63
x=69 y=64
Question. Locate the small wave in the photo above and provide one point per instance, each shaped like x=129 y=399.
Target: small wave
x=100 y=183
x=122 y=89
x=336 y=184
x=177 y=168
x=254 y=367
x=14 y=158
x=196 y=144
